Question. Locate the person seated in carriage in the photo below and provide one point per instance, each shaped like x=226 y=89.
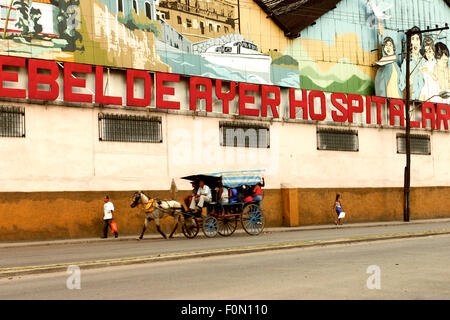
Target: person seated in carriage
x=257 y=192
x=233 y=195
x=203 y=196
x=222 y=193
x=188 y=198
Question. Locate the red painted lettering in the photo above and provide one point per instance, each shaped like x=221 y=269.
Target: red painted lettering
x=244 y=99
x=378 y=101
x=139 y=74
x=428 y=115
x=226 y=97
x=294 y=104
x=11 y=77
x=336 y=117
x=70 y=82
x=442 y=117
x=354 y=109
x=161 y=90
x=272 y=102
x=394 y=112
x=323 y=114
x=195 y=93
x=34 y=78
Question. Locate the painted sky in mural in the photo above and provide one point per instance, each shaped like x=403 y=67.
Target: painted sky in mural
x=198 y=38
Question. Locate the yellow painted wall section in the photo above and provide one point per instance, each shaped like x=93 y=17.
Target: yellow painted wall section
x=67 y=215
x=372 y=204
x=257 y=27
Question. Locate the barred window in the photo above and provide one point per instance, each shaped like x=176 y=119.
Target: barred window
x=12 y=122
x=127 y=128
x=337 y=139
x=420 y=144
x=248 y=135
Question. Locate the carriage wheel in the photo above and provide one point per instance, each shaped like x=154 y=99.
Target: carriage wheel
x=190 y=229
x=252 y=219
x=227 y=225
x=210 y=226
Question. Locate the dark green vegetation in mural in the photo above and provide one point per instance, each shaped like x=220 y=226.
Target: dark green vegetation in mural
x=64 y=20
x=135 y=21
x=67 y=22
x=354 y=85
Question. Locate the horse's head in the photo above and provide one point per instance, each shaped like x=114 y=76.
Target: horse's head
x=135 y=199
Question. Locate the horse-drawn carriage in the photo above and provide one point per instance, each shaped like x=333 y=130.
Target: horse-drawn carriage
x=223 y=218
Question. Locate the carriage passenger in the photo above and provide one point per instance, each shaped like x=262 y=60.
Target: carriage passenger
x=257 y=192
x=222 y=193
x=188 y=199
x=233 y=193
x=203 y=195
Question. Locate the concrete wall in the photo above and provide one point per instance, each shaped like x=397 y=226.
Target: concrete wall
x=62 y=152
x=52 y=181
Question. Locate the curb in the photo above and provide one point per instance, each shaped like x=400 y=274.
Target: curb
x=12 y=272
x=240 y=231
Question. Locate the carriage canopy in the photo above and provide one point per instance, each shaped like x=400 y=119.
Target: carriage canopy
x=230 y=179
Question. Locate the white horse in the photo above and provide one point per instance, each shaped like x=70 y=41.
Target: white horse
x=156 y=209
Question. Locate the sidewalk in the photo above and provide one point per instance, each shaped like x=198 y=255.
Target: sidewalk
x=14 y=244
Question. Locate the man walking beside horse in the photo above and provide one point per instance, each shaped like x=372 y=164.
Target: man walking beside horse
x=108 y=210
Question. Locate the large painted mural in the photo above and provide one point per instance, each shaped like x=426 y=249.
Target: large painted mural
x=357 y=47
x=188 y=37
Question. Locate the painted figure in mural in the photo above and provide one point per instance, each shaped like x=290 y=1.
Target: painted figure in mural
x=441 y=70
x=387 y=77
x=431 y=86
x=417 y=61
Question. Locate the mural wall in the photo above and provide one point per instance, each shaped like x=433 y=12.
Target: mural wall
x=357 y=47
x=360 y=47
x=343 y=51
x=189 y=37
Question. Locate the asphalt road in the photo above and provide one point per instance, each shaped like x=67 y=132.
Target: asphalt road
x=113 y=249
x=416 y=268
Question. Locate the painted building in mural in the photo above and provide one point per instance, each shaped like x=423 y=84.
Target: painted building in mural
x=114 y=96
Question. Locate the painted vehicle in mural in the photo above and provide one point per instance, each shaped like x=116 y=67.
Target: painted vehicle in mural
x=240 y=55
x=223 y=218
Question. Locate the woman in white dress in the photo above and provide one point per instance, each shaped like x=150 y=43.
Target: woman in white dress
x=431 y=86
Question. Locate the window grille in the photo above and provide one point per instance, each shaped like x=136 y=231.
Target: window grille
x=247 y=135
x=337 y=139
x=127 y=128
x=12 y=122
x=420 y=144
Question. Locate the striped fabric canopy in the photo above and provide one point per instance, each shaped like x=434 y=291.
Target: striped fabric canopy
x=234 y=179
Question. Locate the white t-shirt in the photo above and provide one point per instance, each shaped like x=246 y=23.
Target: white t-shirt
x=108 y=208
x=206 y=190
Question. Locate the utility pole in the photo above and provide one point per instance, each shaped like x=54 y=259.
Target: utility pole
x=407 y=174
x=407 y=180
